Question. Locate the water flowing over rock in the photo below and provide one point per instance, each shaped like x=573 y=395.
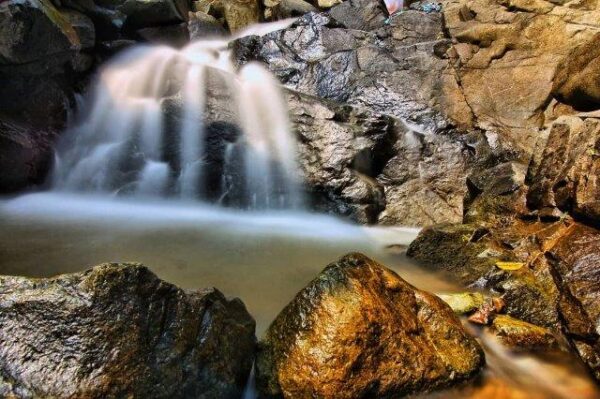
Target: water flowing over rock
x=359 y=330
x=118 y=331
x=148 y=134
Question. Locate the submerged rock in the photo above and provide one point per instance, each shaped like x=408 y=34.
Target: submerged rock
x=118 y=331
x=359 y=330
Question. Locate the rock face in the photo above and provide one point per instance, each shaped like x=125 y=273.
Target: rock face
x=359 y=330
x=351 y=57
x=577 y=81
x=118 y=331
x=563 y=177
x=37 y=79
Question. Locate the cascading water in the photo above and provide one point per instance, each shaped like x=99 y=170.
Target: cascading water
x=183 y=124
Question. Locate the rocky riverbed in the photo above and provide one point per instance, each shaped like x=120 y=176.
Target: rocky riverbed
x=475 y=119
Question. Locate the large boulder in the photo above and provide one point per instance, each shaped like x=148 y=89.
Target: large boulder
x=119 y=331
x=358 y=330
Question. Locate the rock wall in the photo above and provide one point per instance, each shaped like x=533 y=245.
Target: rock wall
x=455 y=93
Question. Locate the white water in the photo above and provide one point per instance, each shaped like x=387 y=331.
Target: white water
x=130 y=143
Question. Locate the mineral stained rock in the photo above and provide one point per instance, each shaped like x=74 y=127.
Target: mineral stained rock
x=358 y=330
x=119 y=331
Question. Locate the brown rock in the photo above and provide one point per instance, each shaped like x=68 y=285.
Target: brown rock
x=520 y=335
x=577 y=80
x=359 y=330
x=564 y=176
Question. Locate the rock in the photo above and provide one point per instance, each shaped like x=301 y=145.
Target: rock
x=556 y=288
x=464 y=302
x=38 y=80
x=287 y=9
x=202 y=26
x=351 y=57
x=171 y=35
x=577 y=80
x=150 y=13
x=576 y=266
x=505 y=55
x=495 y=193
x=339 y=58
x=328 y=3
x=359 y=330
x=563 y=178
x=519 y=335
x=468 y=254
x=341 y=152
x=118 y=331
x=24 y=155
x=22 y=23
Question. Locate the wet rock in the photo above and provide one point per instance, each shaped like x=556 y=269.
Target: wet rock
x=577 y=81
x=337 y=57
x=287 y=9
x=38 y=80
x=23 y=23
x=118 y=331
x=359 y=330
x=495 y=193
x=351 y=57
x=519 y=335
x=341 y=152
x=576 y=267
x=557 y=286
x=464 y=302
x=234 y=14
x=24 y=155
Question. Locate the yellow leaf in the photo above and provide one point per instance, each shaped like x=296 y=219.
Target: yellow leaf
x=510 y=265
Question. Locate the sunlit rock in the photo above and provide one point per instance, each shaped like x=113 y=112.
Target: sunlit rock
x=520 y=335
x=119 y=331
x=359 y=330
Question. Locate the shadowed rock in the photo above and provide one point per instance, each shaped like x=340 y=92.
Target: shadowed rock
x=118 y=331
x=358 y=330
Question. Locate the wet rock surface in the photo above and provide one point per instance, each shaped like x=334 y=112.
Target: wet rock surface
x=359 y=330
x=118 y=331
x=350 y=56
x=556 y=286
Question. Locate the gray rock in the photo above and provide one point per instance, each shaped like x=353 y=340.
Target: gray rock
x=43 y=53
x=33 y=30
x=118 y=331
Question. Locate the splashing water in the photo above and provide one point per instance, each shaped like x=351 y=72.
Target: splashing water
x=183 y=124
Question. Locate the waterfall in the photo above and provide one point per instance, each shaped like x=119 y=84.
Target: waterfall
x=186 y=125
